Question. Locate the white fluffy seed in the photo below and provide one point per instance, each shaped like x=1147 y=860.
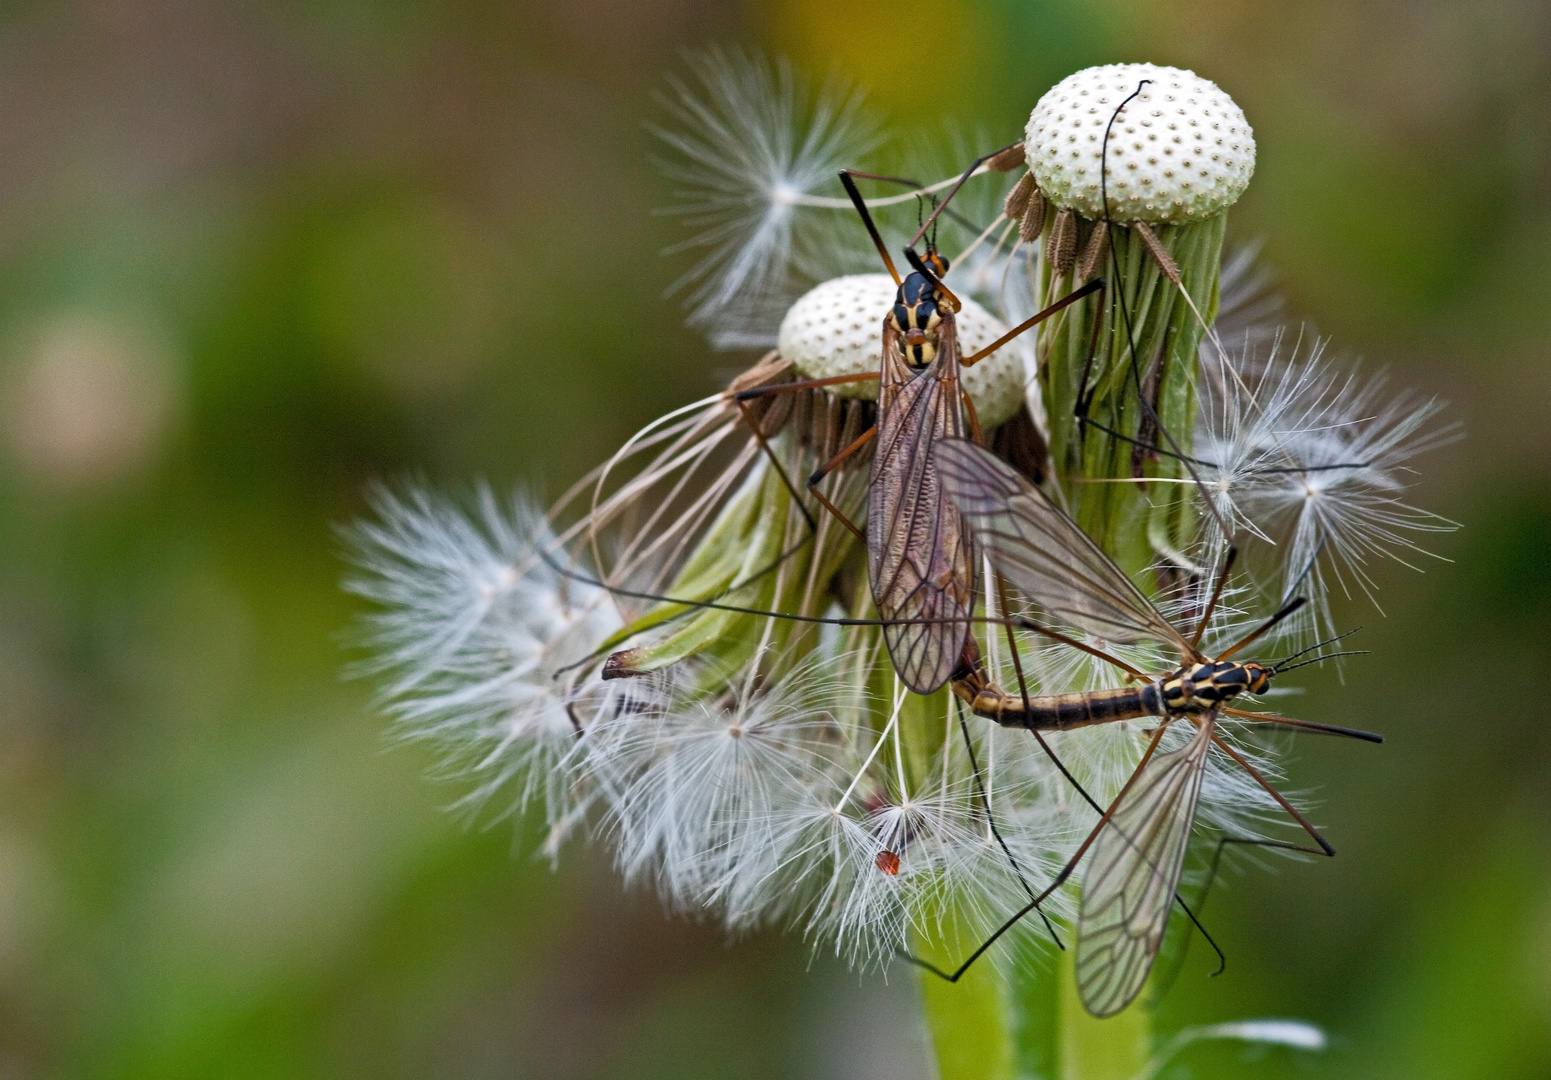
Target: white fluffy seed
x=837 y=329
x=1180 y=151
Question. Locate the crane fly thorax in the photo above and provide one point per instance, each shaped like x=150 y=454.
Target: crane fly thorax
x=916 y=317
x=1195 y=688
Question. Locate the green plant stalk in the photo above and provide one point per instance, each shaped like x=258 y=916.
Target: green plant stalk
x=1089 y=1049
x=1136 y=525
x=977 y=1029
x=972 y=1023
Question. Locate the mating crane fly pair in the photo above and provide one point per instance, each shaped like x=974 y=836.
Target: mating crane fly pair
x=932 y=493
x=930 y=490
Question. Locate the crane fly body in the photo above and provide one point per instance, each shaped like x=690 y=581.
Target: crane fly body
x=1189 y=690
x=919 y=564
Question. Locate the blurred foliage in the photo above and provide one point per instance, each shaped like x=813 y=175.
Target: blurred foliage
x=254 y=256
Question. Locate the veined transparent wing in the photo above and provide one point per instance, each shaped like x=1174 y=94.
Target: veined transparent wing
x=918 y=553
x=1043 y=552
x=1132 y=874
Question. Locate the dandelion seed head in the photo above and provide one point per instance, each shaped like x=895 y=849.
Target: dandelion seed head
x=1314 y=461
x=760 y=784
x=1180 y=151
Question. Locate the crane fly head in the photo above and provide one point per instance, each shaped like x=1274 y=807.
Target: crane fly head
x=1259 y=678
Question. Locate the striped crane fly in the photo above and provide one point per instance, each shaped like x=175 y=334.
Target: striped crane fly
x=1139 y=845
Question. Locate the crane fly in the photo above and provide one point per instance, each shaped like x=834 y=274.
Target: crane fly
x=1139 y=845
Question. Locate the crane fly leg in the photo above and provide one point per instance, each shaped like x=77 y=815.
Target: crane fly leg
x=974 y=417
x=1096 y=285
x=804 y=384
x=742 y=397
x=829 y=466
x=1060 y=879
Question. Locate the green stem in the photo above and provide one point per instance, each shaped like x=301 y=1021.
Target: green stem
x=1090 y=1049
x=1148 y=336
x=972 y=1022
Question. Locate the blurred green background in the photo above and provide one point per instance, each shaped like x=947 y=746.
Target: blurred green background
x=254 y=256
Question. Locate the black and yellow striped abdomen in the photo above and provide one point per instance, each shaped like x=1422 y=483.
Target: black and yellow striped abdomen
x=1188 y=690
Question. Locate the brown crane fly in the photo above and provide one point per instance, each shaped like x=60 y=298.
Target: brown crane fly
x=920 y=565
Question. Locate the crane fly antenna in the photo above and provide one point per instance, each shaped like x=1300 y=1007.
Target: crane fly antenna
x=917 y=186
x=954 y=190
x=1321 y=659
x=1281 y=665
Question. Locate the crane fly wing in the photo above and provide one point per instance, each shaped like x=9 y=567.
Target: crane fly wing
x=1133 y=873
x=918 y=554
x=1044 y=553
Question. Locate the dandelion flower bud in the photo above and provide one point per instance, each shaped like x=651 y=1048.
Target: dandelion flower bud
x=837 y=329
x=1180 y=151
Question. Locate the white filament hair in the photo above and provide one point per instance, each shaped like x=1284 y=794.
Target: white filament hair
x=471 y=632
x=1314 y=458
x=749 y=147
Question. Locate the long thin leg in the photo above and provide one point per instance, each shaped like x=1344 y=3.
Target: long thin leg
x=1056 y=635
x=1096 y=285
x=1167 y=980
x=1211 y=606
x=759 y=436
x=974 y=417
x=1060 y=879
x=744 y=396
x=946 y=199
x=985 y=801
x=1287 y=609
x=917 y=185
x=1272 y=720
x=833 y=463
x=930 y=275
x=803 y=384
x=1084 y=395
x=1277 y=795
x=1050 y=753
x=1148 y=411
